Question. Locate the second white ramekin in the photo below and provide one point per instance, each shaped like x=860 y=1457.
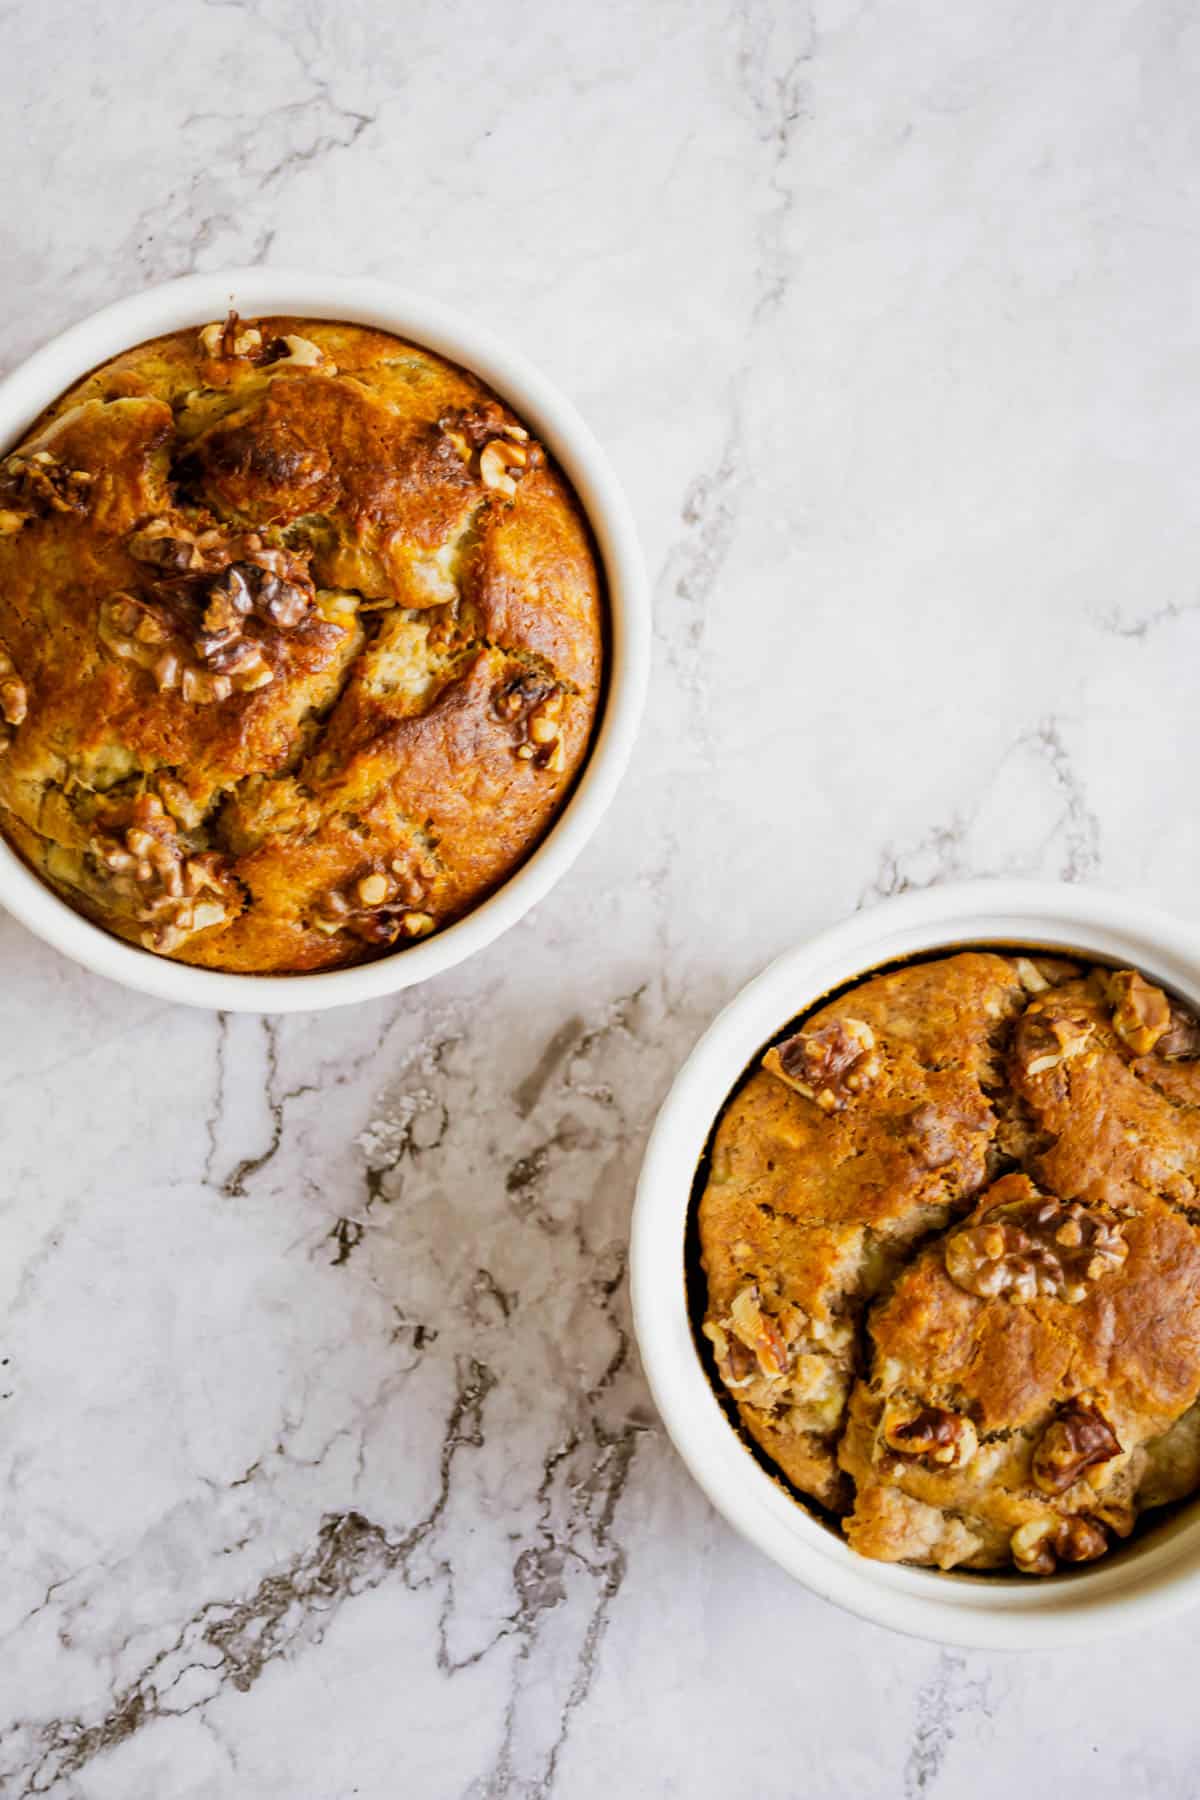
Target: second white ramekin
x=256 y=292
x=1156 y=1575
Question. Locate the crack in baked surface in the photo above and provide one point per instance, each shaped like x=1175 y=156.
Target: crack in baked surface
x=301 y=644
x=950 y=1239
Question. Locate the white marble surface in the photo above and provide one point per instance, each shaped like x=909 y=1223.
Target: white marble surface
x=327 y=1465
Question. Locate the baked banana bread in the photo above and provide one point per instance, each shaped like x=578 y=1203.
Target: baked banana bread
x=301 y=644
x=951 y=1237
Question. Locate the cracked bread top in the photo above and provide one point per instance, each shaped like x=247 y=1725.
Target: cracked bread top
x=301 y=644
x=951 y=1236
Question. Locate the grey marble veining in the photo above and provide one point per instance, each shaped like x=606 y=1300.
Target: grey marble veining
x=327 y=1466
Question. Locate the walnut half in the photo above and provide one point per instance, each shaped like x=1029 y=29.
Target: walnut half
x=1036 y=1246
x=830 y=1065
x=1039 y=1546
x=782 y=1362
x=380 y=905
x=174 y=894
x=1078 y=1439
x=930 y=1434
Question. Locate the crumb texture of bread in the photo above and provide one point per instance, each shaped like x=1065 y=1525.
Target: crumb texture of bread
x=950 y=1235
x=301 y=644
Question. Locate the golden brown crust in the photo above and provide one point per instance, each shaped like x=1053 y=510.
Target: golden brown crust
x=967 y=1190
x=301 y=644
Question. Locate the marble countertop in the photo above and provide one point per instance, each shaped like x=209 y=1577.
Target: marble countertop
x=328 y=1468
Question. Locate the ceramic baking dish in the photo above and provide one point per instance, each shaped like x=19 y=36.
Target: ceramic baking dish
x=1158 y=1572
x=256 y=292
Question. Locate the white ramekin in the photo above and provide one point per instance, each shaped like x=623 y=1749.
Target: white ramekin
x=1158 y=1574
x=199 y=298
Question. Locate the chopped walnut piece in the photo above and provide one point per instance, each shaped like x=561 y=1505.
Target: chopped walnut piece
x=758 y=1331
x=379 y=906
x=229 y=600
x=477 y=426
x=1040 y=1044
x=1181 y=1038
x=762 y=1361
x=130 y=628
x=544 y=726
x=533 y=704
x=1178 y=1188
x=34 y=482
x=1037 y=974
x=1030 y=976
x=14 y=697
x=501 y=464
x=373 y=889
x=227 y=653
x=1141 y=1012
x=416 y=924
x=736 y=1363
x=231 y=341
x=943 y=1439
x=173 y=547
x=783 y=1361
x=1078 y=1439
x=516 y=698
x=384 y=925
x=752 y=1357
x=302 y=353
x=1040 y=1545
x=199 y=688
x=176 y=894
x=830 y=1065
x=483 y=437
x=283 y=602
x=1036 y=1246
